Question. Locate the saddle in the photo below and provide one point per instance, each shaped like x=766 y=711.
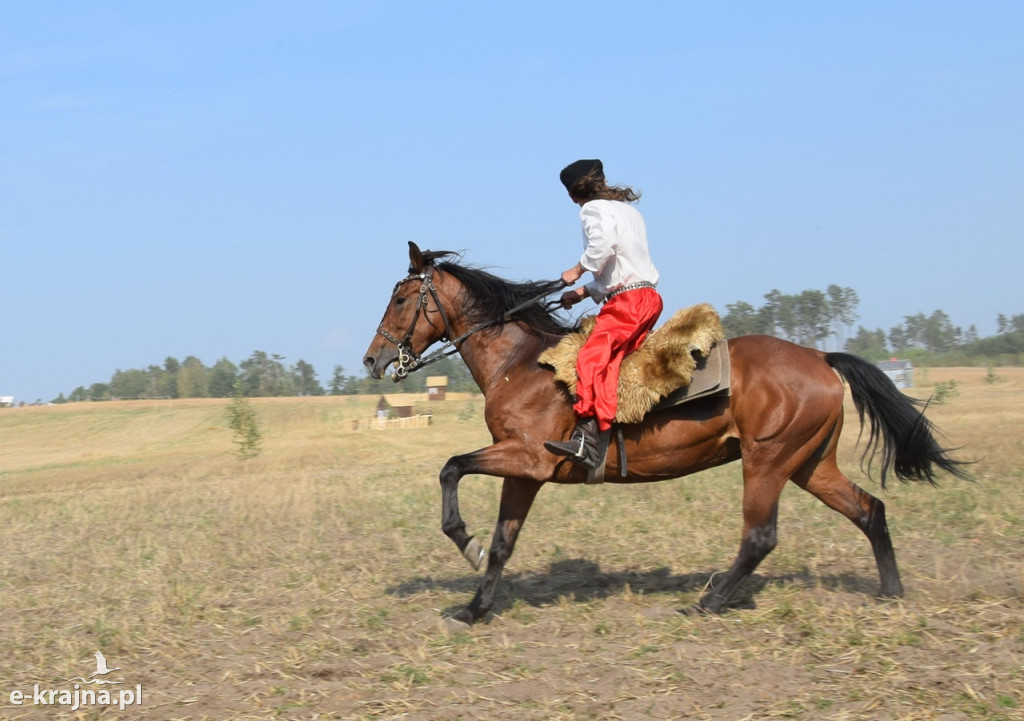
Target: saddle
x=685 y=359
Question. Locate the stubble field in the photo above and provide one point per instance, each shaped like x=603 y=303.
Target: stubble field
x=310 y=581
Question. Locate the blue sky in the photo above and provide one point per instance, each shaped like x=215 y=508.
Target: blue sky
x=212 y=179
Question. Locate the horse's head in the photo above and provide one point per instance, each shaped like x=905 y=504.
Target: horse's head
x=413 y=321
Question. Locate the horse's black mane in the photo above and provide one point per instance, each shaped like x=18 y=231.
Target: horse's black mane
x=489 y=297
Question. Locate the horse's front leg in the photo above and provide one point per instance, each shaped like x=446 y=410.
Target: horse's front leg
x=505 y=459
x=524 y=473
x=517 y=497
x=451 y=519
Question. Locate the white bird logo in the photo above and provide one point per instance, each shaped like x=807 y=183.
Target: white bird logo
x=101 y=666
x=101 y=670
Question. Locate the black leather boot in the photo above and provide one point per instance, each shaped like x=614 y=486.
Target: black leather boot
x=582 y=446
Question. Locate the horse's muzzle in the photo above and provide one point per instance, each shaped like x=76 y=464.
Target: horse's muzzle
x=371 y=367
x=379 y=359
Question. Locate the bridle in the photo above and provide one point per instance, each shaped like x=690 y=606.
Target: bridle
x=408 y=359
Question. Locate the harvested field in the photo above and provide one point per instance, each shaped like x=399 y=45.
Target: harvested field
x=310 y=581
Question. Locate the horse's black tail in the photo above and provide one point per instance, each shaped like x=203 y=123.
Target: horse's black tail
x=897 y=425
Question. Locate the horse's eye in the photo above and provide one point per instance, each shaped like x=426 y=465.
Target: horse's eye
x=399 y=300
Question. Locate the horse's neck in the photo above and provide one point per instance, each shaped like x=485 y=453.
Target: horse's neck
x=491 y=355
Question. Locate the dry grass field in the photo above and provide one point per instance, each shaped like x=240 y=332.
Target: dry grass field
x=310 y=581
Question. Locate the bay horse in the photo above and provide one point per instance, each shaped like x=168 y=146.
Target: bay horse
x=782 y=420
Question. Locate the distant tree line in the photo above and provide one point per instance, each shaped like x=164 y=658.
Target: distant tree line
x=808 y=318
x=934 y=340
x=259 y=375
x=813 y=318
x=824 y=319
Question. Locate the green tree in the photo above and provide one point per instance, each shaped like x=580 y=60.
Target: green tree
x=811 y=317
x=222 y=379
x=898 y=339
x=933 y=333
x=778 y=313
x=244 y=424
x=337 y=386
x=743 y=319
x=842 y=303
x=304 y=380
x=868 y=343
x=264 y=376
x=1004 y=344
x=168 y=380
x=940 y=334
x=356 y=385
x=98 y=392
x=131 y=384
x=192 y=379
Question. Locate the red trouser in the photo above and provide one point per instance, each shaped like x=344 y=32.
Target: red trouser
x=622 y=325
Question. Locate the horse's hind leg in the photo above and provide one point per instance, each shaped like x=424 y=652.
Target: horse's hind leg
x=759 y=539
x=761 y=491
x=829 y=485
x=766 y=469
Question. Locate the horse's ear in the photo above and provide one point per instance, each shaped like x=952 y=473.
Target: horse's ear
x=419 y=260
x=416 y=260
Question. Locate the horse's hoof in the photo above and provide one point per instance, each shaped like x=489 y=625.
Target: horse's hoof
x=474 y=553
x=454 y=625
x=889 y=594
x=460 y=622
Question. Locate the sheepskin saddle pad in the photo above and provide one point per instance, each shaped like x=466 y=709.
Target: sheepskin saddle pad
x=690 y=343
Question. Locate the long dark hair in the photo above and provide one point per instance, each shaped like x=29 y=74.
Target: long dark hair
x=594 y=187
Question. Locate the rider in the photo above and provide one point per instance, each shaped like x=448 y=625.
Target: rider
x=615 y=251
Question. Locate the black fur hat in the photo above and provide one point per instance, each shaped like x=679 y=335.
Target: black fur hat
x=575 y=172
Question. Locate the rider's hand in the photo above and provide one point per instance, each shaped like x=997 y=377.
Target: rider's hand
x=572 y=275
x=572 y=297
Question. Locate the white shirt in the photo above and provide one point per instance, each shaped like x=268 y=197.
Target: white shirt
x=614 y=247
